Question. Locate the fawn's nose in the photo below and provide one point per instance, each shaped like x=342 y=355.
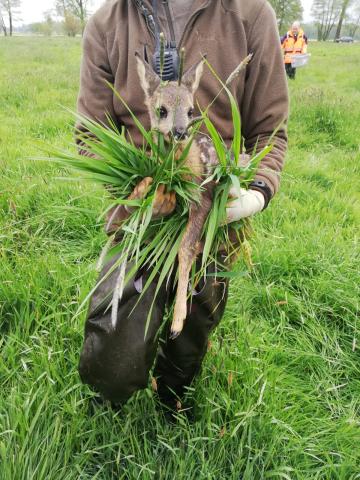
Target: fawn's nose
x=179 y=133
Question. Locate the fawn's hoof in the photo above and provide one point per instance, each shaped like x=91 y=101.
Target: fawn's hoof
x=174 y=334
x=177 y=324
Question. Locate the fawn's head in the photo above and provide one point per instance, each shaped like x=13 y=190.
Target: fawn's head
x=170 y=105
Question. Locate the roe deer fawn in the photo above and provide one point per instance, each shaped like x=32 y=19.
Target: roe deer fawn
x=171 y=107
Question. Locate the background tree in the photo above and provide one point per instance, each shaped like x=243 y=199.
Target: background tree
x=326 y=13
x=78 y=9
x=2 y=24
x=344 y=8
x=48 y=24
x=11 y=9
x=353 y=24
x=43 y=28
x=47 y=27
x=287 y=11
x=71 y=25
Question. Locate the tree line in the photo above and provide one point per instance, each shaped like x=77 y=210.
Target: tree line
x=329 y=16
x=73 y=16
x=9 y=9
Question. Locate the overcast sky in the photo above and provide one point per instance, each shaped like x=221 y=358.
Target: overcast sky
x=32 y=10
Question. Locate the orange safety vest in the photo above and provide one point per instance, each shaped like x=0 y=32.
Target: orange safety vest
x=292 y=46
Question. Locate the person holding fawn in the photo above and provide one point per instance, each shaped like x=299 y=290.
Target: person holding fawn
x=120 y=48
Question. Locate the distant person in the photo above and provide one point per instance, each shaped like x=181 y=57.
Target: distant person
x=293 y=43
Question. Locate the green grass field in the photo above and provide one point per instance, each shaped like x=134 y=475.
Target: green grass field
x=280 y=389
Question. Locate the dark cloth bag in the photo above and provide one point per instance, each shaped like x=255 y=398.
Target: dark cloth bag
x=116 y=362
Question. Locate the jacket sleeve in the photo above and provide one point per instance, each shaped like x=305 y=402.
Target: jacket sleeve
x=265 y=101
x=95 y=98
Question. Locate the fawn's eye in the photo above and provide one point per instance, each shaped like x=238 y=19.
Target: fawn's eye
x=162 y=112
x=190 y=112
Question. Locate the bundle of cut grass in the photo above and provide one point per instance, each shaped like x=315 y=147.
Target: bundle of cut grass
x=153 y=244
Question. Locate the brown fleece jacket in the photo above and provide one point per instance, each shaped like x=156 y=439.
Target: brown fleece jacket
x=226 y=31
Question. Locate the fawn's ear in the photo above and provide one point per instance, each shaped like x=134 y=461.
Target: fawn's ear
x=148 y=79
x=192 y=77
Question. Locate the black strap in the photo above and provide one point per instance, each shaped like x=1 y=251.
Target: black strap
x=152 y=20
x=170 y=22
x=156 y=21
x=262 y=187
x=149 y=19
x=170 y=70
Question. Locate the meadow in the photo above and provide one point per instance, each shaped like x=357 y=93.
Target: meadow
x=279 y=393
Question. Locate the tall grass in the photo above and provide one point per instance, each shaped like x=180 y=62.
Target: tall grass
x=278 y=396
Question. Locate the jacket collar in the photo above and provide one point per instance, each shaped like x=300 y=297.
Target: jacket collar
x=197 y=4
x=197 y=7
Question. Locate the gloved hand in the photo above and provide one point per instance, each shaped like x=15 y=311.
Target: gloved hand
x=244 y=204
x=164 y=204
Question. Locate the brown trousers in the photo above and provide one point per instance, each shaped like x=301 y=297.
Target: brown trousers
x=116 y=362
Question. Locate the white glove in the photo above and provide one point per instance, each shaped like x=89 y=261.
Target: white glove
x=244 y=204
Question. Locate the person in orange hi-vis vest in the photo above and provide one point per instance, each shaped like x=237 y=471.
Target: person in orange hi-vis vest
x=293 y=43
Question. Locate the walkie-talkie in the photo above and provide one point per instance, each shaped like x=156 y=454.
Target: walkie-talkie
x=170 y=70
x=171 y=63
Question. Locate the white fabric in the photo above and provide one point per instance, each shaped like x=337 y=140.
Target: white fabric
x=244 y=204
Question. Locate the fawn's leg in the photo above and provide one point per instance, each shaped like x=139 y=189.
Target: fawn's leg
x=187 y=255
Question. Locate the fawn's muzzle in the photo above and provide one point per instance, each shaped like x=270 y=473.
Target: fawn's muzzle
x=179 y=133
